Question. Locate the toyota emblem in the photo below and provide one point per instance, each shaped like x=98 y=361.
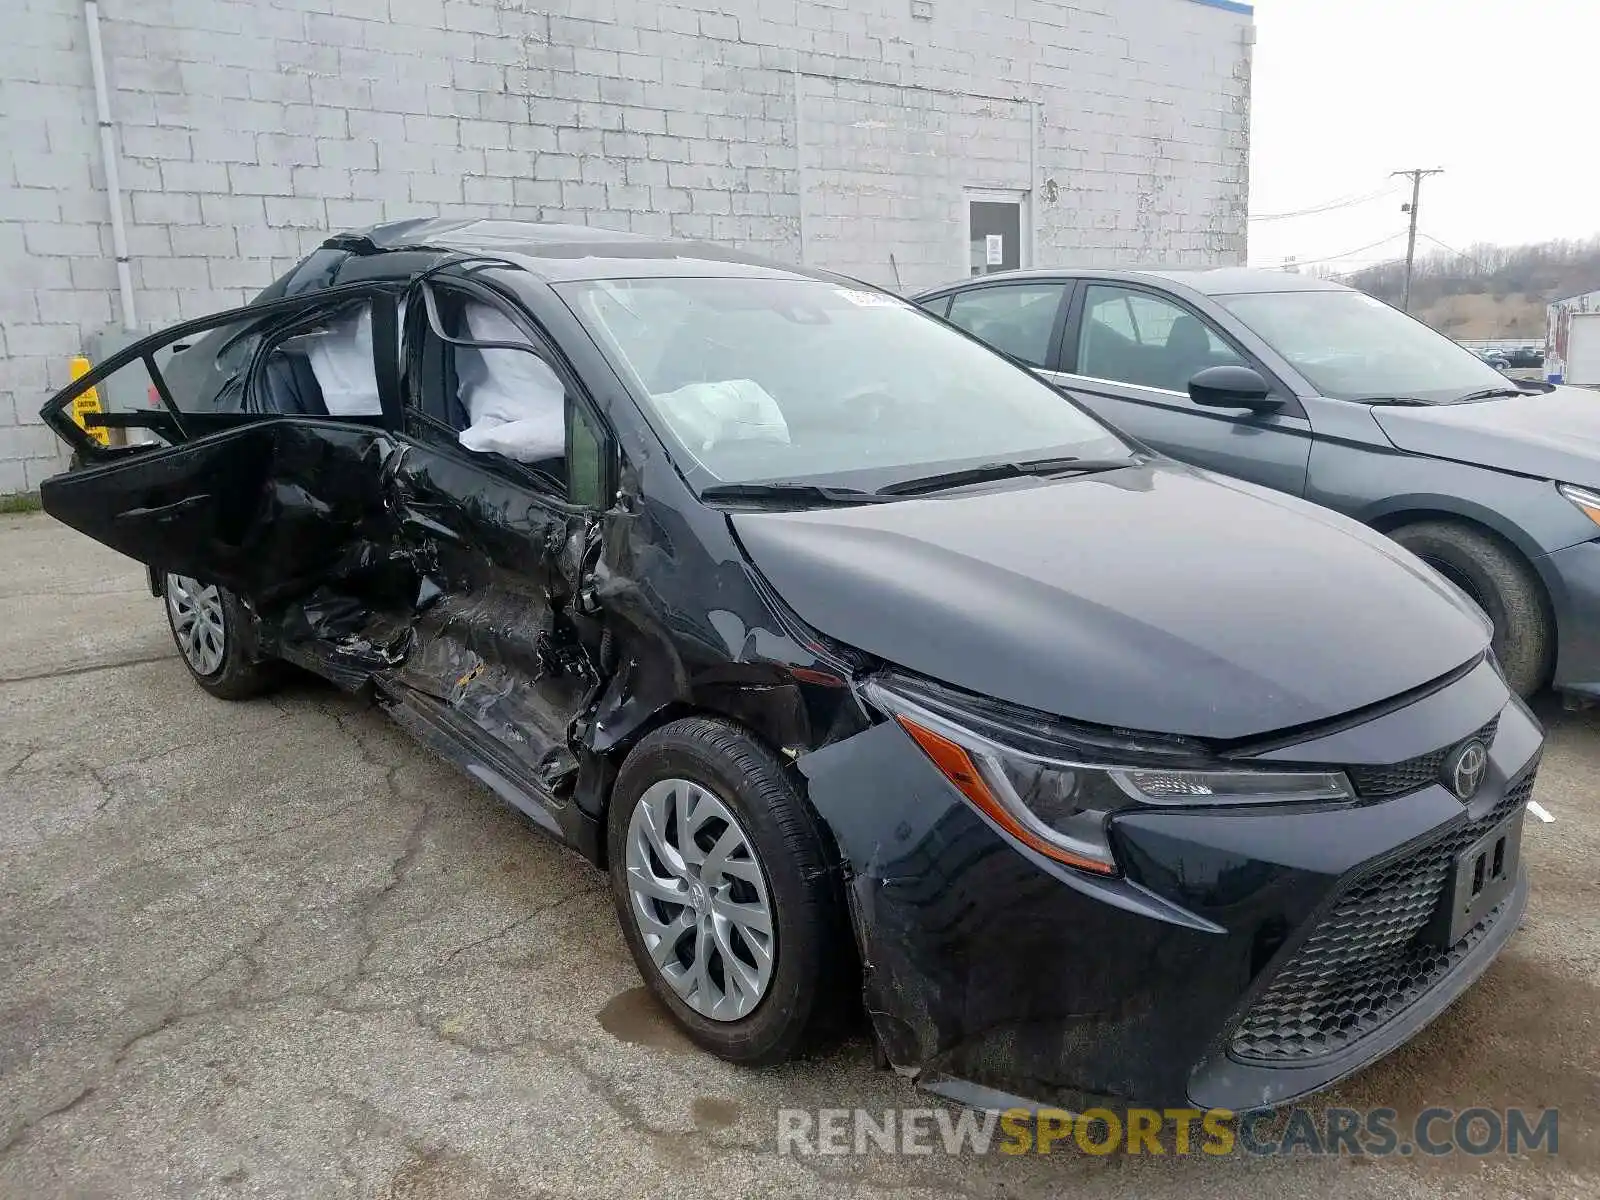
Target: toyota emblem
x=1464 y=771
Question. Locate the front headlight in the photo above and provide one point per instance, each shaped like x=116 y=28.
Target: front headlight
x=1062 y=807
x=1584 y=498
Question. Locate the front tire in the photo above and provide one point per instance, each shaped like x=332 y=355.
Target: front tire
x=211 y=630
x=724 y=893
x=1502 y=585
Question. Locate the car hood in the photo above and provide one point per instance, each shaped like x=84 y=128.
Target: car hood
x=1154 y=598
x=1553 y=435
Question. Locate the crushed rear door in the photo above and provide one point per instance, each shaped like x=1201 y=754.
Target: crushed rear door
x=268 y=509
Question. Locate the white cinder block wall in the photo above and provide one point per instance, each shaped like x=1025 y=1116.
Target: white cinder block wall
x=846 y=129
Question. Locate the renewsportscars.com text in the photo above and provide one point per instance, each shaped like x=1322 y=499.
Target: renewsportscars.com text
x=1371 y=1133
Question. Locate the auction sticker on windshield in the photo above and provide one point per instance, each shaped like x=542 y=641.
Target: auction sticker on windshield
x=871 y=299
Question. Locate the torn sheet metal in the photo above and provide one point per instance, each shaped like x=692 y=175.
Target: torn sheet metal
x=517 y=674
x=700 y=630
x=363 y=638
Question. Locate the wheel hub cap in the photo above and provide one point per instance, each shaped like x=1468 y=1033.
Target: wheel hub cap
x=699 y=897
x=197 y=622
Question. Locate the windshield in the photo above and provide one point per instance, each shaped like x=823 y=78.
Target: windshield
x=788 y=379
x=1352 y=347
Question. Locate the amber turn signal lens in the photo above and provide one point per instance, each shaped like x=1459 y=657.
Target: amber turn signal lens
x=956 y=764
x=1587 y=501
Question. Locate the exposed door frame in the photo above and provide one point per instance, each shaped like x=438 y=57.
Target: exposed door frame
x=1017 y=196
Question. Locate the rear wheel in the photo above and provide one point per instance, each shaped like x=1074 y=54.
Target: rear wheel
x=1502 y=585
x=209 y=626
x=722 y=887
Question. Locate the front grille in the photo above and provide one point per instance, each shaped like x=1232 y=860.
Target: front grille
x=1366 y=962
x=1378 y=783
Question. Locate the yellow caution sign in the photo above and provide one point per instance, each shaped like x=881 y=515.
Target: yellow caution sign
x=87 y=403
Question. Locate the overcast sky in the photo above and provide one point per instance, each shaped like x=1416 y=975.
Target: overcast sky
x=1504 y=95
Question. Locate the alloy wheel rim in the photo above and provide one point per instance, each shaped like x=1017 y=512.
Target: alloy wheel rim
x=699 y=897
x=197 y=622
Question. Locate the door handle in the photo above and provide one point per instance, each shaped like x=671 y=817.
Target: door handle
x=164 y=512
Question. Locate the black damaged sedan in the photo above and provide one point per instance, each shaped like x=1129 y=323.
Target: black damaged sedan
x=862 y=660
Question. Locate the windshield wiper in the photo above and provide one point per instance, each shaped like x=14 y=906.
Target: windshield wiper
x=1394 y=402
x=1491 y=393
x=989 y=472
x=789 y=494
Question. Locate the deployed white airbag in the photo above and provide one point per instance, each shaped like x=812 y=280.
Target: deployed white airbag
x=340 y=354
x=732 y=410
x=515 y=404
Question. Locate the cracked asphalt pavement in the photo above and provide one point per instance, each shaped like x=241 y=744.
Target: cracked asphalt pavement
x=275 y=949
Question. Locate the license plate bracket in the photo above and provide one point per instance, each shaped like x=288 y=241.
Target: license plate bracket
x=1481 y=877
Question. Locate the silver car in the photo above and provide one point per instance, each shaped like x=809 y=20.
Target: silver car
x=1312 y=388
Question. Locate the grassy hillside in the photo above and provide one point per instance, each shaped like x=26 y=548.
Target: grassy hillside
x=1485 y=315
x=1490 y=291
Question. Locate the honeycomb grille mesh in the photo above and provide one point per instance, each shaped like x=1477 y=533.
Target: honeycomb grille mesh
x=1365 y=963
x=1377 y=783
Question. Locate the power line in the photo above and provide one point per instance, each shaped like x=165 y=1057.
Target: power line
x=1330 y=206
x=1478 y=262
x=1311 y=262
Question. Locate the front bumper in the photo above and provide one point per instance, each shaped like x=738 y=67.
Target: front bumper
x=1573 y=579
x=987 y=964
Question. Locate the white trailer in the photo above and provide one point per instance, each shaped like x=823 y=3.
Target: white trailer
x=1574 y=341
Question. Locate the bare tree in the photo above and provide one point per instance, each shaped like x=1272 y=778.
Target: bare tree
x=1540 y=272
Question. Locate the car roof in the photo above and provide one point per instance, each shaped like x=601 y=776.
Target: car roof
x=562 y=253
x=1208 y=281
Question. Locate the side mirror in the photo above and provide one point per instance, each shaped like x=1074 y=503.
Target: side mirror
x=1233 y=387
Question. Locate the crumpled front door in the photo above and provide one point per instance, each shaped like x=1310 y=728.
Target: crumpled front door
x=498 y=638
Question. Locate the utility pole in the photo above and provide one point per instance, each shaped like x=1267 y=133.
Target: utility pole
x=1416 y=176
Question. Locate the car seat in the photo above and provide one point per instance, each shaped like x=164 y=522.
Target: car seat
x=287 y=386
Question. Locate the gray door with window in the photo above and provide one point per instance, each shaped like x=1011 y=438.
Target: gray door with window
x=994 y=233
x=1129 y=356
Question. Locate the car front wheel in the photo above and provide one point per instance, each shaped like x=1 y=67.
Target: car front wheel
x=722 y=887
x=1502 y=585
x=209 y=627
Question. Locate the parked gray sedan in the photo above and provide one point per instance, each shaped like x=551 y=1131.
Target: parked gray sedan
x=1312 y=388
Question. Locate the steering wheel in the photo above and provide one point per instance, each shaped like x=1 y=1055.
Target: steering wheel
x=871 y=402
